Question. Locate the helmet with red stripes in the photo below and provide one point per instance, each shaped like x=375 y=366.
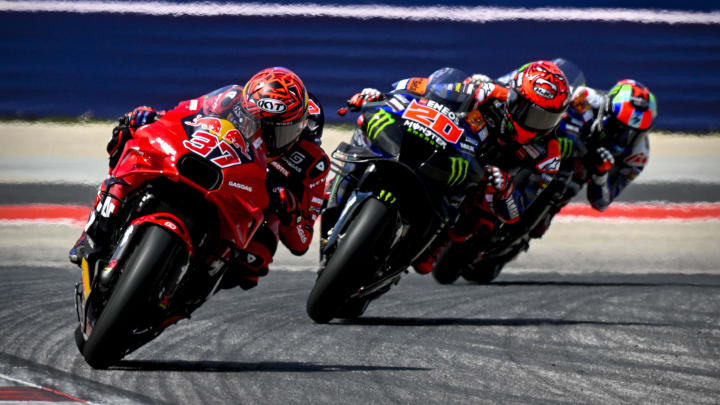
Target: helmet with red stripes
x=537 y=99
x=631 y=112
x=277 y=100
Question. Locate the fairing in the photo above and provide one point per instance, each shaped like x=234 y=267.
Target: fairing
x=239 y=195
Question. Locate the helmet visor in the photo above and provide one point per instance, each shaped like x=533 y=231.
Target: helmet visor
x=278 y=137
x=529 y=115
x=622 y=134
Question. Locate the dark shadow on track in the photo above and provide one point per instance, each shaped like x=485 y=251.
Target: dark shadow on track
x=399 y=321
x=237 y=367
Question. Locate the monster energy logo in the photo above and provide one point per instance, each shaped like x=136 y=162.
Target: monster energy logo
x=459 y=170
x=378 y=122
x=387 y=196
x=566 y=147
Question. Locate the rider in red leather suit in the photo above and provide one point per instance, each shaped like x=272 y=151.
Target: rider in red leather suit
x=274 y=103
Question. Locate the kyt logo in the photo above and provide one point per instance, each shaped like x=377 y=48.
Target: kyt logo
x=271 y=105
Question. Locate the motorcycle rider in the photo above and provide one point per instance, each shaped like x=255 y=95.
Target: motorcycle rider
x=516 y=124
x=604 y=144
x=274 y=105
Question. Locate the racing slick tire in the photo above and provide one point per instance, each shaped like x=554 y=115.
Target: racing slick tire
x=111 y=335
x=352 y=262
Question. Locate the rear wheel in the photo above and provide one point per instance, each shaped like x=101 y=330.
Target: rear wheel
x=352 y=264
x=111 y=336
x=483 y=272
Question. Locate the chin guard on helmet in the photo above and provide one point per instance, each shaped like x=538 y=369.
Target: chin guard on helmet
x=276 y=98
x=537 y=100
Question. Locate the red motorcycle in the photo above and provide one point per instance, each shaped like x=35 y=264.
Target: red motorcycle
x=186 y=195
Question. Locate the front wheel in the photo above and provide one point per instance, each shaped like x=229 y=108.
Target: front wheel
x=111 y=335
x=353 y=309
x=352 y=263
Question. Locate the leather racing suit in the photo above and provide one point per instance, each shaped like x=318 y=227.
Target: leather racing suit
x=578 y=142
x=530 y=168
x=527 y=169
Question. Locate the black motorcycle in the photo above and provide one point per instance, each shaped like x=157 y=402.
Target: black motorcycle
x=398 y=186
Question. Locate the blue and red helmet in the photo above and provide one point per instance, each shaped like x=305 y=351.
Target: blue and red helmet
x=631 y=112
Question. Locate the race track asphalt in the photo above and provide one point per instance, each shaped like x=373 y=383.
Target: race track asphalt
x=596 y=334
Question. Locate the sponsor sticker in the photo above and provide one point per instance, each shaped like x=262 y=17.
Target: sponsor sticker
x=549 y=165
x=271 y=105
x=280 y=168
x=301 y=234
x=240 y=186
x=296 y=158
x=312 y=108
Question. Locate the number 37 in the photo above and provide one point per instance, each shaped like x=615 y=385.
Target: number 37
x=203 y=143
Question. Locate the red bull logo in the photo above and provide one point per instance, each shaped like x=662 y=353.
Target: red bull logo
x=209 y=124
x=224 y=130
x=235 y=138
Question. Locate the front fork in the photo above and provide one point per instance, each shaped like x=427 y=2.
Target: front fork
x=95 y=281
x=348 y=211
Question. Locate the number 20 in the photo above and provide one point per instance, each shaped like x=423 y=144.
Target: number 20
x=439 y=123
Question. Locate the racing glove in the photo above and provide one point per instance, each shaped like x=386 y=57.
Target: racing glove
x=359 y=99
x=499 y=181
x=284 y=204
x=499 y=194
x=142 y=115
x=125 y=129
x=477 y=79
x=597 y=125
x=603 y=161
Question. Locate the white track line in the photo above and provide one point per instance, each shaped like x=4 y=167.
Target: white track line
x=70 y=399
x=371 y=11
x=19 y=381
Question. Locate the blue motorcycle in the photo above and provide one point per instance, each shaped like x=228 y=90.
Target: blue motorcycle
x=399 y=185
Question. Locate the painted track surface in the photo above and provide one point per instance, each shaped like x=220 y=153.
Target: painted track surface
x=585 y=317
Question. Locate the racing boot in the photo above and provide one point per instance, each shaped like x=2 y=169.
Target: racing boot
x=251 y=264
x=425 y=264
x=245 y=272
x=80 y=249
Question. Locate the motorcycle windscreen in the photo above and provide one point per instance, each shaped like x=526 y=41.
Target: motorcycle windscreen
x=446 y=87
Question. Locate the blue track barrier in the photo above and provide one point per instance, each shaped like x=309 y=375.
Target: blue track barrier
x=68 y=64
